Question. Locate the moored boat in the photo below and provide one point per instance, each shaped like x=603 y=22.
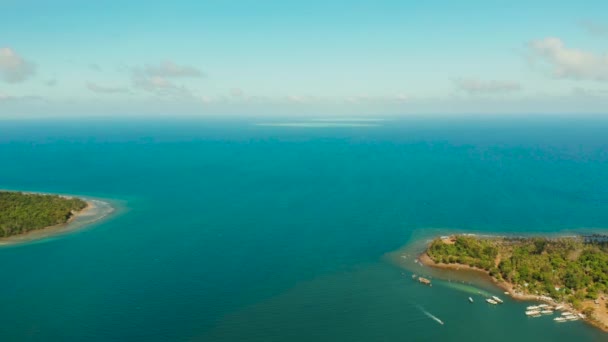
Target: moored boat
x=424 y=281
x=559 y=319
x=532 y=307
x=497 y=299
x=491 y=301
x=532 y=313
x=470 y=299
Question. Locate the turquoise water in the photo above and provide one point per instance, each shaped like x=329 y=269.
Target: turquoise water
x=231 y=231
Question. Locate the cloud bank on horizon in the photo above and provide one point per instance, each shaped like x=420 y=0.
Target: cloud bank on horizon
x=342 y=57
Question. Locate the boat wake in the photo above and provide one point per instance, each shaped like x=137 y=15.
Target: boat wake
x=465 y=288
x=430 y=315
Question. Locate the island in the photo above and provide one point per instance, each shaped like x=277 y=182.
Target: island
x=21 y=213
x=570 y=273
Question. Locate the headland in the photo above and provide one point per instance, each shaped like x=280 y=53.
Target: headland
x=28 y=216
x=570 y=273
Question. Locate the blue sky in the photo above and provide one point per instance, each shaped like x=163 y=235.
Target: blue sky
x=307 y=58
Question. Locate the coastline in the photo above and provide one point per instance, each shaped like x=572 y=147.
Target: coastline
x=426 y=260
x=93 y=212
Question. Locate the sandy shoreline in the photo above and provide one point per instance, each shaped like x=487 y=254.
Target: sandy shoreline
x=426 y=260
x=72 y=224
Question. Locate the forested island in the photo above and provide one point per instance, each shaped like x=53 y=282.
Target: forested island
x=21 y=213
x=572 y=270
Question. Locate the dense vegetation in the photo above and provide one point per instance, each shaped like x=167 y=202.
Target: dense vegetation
x=20 y=212
x=562 y=268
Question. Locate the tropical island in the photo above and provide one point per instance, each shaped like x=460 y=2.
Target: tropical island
x=572 y=271
x=21 y=213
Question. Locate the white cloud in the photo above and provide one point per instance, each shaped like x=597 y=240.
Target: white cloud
x=475 y=86
x=5 y=98
x=95 y=67
x=206 y=99
x=97 y=88
x=159 y=85
x=587 y=92
x=158 y=78
x=237 y=92
x=594 y=28
x=297 y=99
x=168 y=69
x=402 y=98
x=399 y=98
x=567 y=63
x=13 y=68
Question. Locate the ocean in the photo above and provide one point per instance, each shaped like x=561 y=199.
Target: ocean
x=243 y=229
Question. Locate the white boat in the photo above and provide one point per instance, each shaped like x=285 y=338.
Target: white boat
x=532 y=307
x=532 y=313
x=572 y=318
x=559 y=307
x=567 y=313
x=559 y=319
x=491 y=301
x=497 y=299
x=547 y=312
x=543 y=305
x=470 y=299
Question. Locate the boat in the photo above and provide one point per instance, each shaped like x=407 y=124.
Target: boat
x=547 y=312
x=572 y=318
x=559 y=307
x=559 y=319
x=543 y=305
x=567 y=313
x=470 y=299
x=497 y=299
x=532 y=313
x=491 y=301
x=424 y=281
x=532 y=307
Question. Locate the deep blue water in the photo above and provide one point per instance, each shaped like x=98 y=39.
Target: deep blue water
x=228 y=231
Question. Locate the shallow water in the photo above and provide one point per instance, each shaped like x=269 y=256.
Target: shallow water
x=231 y=231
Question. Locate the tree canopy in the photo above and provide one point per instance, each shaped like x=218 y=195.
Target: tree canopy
x=23 y=212
x=563 y=268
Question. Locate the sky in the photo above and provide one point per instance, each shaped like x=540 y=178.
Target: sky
x=380 y=57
